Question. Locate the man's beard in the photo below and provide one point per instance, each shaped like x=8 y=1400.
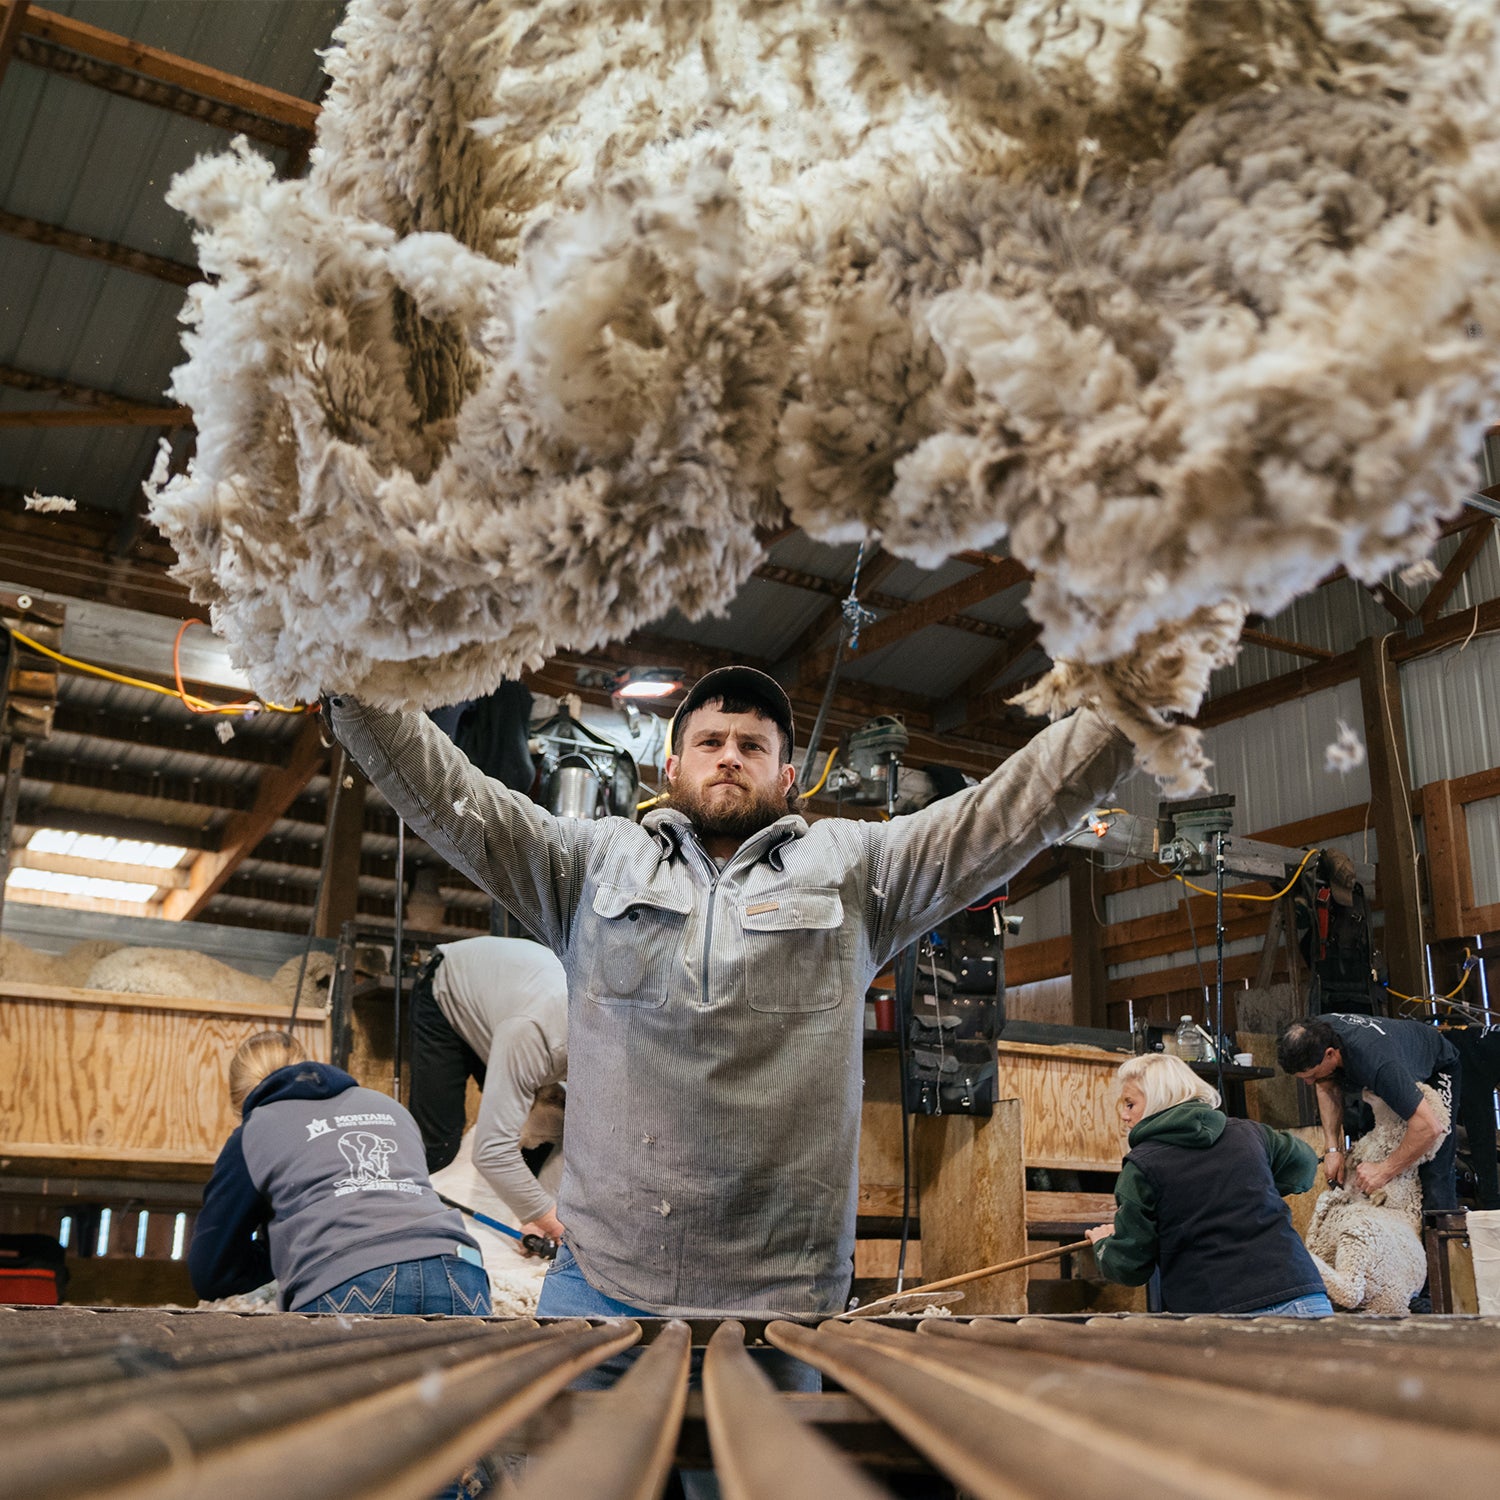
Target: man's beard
x=737 y=817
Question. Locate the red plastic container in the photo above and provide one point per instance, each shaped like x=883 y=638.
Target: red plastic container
x=31 y=1284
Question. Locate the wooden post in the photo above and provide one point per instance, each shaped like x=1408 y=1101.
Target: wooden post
x=1391 y=814
x=338 y=901
x=974 y=1202
x=1090 y=975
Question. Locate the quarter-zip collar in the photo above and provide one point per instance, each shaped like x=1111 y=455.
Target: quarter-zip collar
x=672 y=829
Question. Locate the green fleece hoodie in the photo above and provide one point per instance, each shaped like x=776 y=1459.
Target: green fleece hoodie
x=1130 y=1254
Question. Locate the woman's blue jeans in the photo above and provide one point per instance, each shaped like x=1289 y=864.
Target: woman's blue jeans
x=1315 y=1306
x=439 y=1284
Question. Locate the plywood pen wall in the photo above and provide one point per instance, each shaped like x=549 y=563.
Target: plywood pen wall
x=97 y=1082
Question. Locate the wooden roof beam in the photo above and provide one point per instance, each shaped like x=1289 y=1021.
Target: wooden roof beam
x=153 y=76
x=55 y=237
x=984 y=583
x=875 y=567
x=276 y=792
x=873 y=598
x=960 y=707
x=1281 y=643
x=1453 y=573
x=13 y=16
x=123 y=414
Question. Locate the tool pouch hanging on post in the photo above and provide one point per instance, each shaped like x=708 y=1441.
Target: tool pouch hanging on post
x=1333 y=929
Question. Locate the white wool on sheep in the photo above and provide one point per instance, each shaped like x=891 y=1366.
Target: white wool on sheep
x=1176 y=299
x=1369 y=1250
x=515 y=1280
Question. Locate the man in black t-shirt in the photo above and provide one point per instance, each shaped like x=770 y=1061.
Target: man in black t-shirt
x=1389 y=1058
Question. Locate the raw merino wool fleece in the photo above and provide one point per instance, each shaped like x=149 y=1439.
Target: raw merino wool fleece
x=1189 y=303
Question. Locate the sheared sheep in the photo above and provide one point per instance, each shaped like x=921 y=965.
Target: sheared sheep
x=1190 y=302
x=1369 y=1250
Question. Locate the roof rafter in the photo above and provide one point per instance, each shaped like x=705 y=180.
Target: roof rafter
x=275 y=793
x=153 y=76
x=984 y=583
x=1459 y=564
x=127 y=258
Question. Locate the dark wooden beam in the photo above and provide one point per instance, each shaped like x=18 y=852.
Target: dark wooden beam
x=126 y=257
x=1391 y=807
x=49 y=767
x=275 y=793
x=153 y=76
x=34 y=382
x=959 y=708
x=1284 y=689
x=124 y=414
x=872 y=598
x=1392 y=604
x=983 y=583
x=1457 y=565
x=1086 y=942
x=11 y=20
x=1280 y=643
x=34 y=814
x=876 y=567
x=338 y=900
x=101 y=726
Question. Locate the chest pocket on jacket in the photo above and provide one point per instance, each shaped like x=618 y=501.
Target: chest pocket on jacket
x=795 y=951
x=631 y=938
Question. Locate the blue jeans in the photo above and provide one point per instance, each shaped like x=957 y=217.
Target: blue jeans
x=439 y=1284
x=566 y=1294
x=1315 y=1306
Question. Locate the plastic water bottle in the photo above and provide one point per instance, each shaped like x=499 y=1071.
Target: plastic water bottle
x=1190 y=1041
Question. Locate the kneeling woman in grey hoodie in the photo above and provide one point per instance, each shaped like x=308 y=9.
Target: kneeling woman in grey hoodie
x=1200 y=1196
x=324 y=1186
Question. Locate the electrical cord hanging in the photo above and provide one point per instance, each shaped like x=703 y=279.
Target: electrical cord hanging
x=193 y=703
x=1470 y=964
x=1245 y=895
x=813 y=791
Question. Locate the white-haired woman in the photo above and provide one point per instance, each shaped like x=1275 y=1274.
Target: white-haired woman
x=1201 y=1197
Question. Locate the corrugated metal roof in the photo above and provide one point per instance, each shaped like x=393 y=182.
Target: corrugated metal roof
x=98 y=164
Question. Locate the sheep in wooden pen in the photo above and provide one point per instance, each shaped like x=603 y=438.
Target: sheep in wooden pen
x=1368 y=1250
x=1188 y=303
x=26 y=965
x=182 y=971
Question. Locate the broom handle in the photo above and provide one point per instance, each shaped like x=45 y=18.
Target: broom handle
x=1006 y=1265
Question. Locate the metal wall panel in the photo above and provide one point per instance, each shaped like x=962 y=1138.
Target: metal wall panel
x=1452 y=702
x=1483 y=820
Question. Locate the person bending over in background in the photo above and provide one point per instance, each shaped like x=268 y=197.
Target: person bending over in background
x=1200 y=1197
x=323 y=1187
x=1390 y=1058
x=496 y=1010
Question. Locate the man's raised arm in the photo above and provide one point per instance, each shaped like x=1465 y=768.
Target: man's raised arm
x=501 y=840
x=933 y=862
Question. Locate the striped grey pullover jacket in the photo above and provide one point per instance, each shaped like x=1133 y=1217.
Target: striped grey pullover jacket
x=715 y=1016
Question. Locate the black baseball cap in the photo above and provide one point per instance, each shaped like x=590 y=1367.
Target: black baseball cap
x=749 y=686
